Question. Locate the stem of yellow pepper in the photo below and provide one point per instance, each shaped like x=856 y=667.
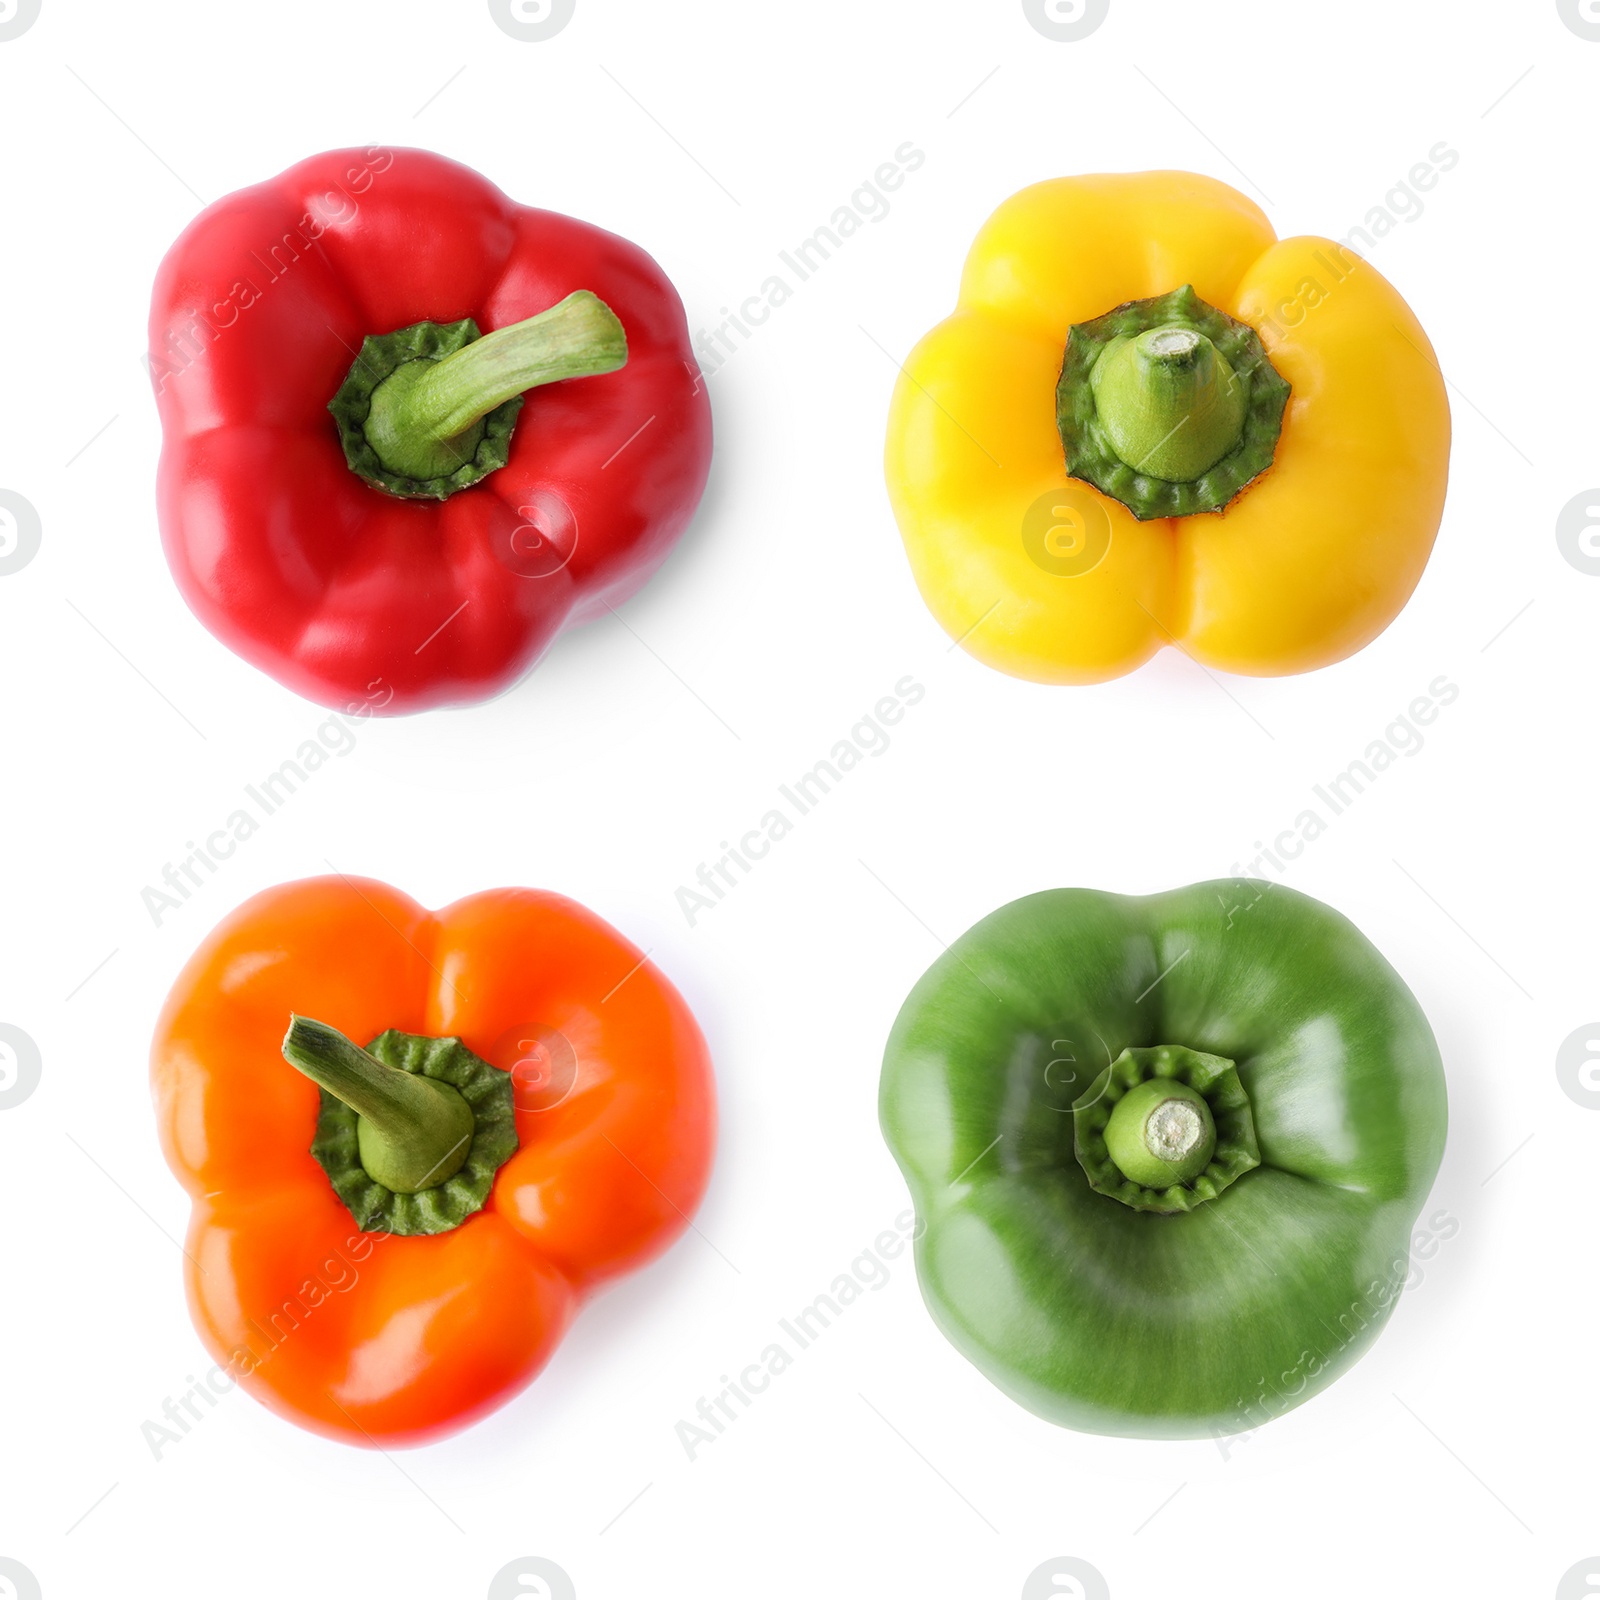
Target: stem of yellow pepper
x=1168 y=405
x=1169 y=402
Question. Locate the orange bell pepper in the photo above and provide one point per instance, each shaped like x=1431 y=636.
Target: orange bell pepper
x=376 y=1337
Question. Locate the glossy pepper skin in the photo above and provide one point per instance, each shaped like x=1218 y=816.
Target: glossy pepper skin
x=377 y=1339
x=1312 y=560
x=344 y=593
x=1114 y=1320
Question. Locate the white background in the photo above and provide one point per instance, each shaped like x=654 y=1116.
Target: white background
x=1453 y=1458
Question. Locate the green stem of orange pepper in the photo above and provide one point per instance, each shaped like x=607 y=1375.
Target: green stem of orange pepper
x=414 y=1132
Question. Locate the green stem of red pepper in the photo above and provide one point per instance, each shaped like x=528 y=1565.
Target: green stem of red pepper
x=427 y=416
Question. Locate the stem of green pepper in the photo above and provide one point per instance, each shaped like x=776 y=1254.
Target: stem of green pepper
x=427 y=416
x=413 y=1133
x=1169 y=401
x=1161 y=1133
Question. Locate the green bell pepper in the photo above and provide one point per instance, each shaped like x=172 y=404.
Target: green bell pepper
x=1166 y=1152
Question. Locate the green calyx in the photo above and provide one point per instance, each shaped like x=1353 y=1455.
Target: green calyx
x=1165 y=1129
x=428 y=410
x=1168 y=405
x=412 y=1129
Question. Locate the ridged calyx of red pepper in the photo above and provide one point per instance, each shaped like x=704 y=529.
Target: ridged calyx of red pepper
x=1165 y=1129
x=412 y=1130
x=1168 y=405
x=429 y=410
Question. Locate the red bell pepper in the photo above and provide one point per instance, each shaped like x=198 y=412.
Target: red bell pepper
x=424 y=544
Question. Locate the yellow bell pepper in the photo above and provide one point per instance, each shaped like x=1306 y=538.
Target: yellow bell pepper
x=1259 y=537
